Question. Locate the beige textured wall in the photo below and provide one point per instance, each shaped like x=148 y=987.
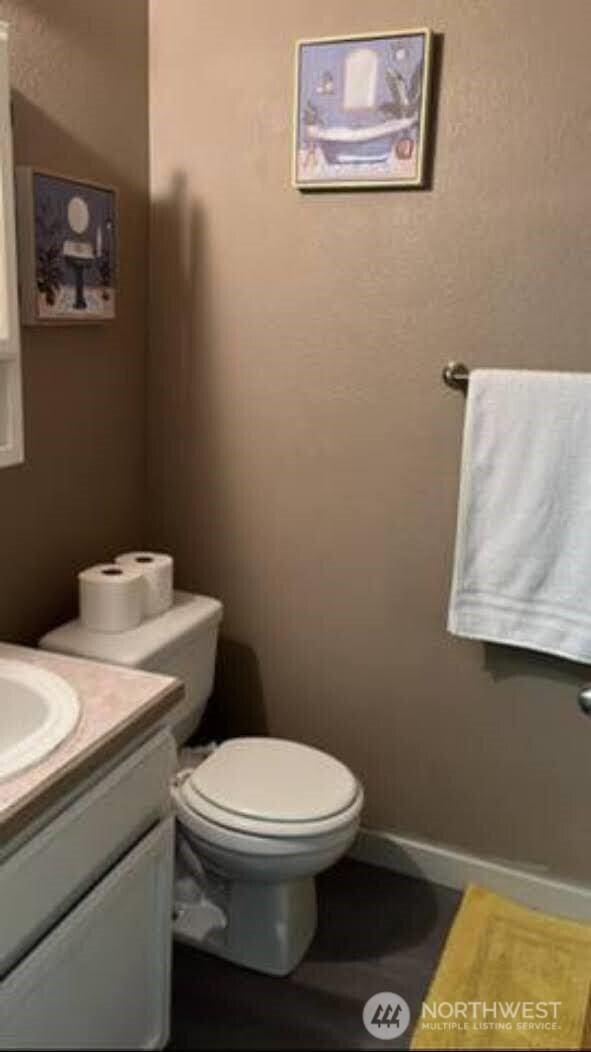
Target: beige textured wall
x=304 y=453
x=79 y=77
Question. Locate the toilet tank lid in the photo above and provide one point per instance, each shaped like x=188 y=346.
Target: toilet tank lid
x=137 y=646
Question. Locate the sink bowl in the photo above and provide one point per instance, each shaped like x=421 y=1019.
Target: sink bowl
x=37 y=711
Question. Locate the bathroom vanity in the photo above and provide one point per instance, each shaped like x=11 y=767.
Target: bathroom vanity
x=86 y=862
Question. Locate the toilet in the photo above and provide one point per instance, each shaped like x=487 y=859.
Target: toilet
x=257 y=818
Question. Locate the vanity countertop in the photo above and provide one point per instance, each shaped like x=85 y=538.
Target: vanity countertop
x=116 y=704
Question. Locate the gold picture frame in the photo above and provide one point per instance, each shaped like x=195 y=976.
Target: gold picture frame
x=361 y=110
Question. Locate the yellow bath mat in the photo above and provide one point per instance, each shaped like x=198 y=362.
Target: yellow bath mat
x=509 y=978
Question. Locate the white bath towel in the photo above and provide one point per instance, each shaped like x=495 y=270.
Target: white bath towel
x=522 y=570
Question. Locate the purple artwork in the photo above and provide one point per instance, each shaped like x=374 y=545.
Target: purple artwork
x=75 y=249
x=360 y=110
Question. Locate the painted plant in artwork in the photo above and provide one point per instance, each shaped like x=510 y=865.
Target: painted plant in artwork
x=74 y=249
x=360 y=110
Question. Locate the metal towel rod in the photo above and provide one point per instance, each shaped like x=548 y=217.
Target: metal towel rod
x=456 y=375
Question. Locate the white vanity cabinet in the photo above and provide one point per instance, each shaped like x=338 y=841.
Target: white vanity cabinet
x=85 y=916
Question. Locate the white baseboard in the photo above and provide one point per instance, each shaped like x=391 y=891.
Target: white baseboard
x=455 y=869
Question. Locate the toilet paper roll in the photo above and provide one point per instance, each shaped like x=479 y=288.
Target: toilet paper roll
x=111 y=597
x=157 y=570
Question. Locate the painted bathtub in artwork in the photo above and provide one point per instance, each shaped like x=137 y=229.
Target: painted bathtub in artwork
x=360 y=109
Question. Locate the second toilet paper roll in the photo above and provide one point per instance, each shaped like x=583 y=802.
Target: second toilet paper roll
x=157 y=570
x=111 y=597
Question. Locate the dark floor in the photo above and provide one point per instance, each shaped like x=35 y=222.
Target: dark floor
x=377 y=931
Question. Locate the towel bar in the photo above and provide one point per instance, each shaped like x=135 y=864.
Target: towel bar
x=456 y=375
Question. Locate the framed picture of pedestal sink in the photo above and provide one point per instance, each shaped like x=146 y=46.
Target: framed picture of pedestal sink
x=361 y=110
x=67 y=236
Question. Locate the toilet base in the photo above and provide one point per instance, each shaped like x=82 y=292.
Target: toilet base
x=269 y=926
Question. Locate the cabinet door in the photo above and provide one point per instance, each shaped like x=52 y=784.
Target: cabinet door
x=101 y=978
x=41 y=881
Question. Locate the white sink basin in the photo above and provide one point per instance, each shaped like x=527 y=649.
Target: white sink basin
x=37 y=711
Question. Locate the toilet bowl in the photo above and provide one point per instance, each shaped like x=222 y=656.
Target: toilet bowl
x=258 y=818
x=263 y=816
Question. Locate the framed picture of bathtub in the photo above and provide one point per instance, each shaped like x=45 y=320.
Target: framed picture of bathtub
x=361 y=110
x=67 y=234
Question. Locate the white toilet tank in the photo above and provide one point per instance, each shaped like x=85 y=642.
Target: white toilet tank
x=181 y=642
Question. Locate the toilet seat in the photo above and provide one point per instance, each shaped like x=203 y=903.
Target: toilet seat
x=257 y=846
x=271 y=787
